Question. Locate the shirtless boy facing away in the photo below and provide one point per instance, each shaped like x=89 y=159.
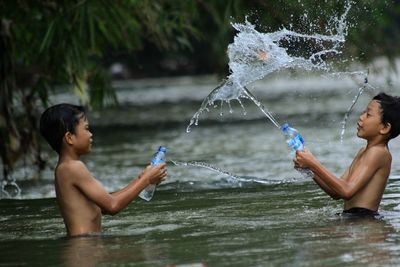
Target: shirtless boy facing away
x=81 y=198
x=363 y=183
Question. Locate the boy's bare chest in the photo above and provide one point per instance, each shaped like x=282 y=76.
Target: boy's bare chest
x=357 y=162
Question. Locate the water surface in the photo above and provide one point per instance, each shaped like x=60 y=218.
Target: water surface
x=199 y=215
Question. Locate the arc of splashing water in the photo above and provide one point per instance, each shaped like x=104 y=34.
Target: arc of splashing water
x=262 y=108
x=218 y=170
x=10 y=189
x=246 y=68
x=346 y=115
x=361 y=89
x=242 y=93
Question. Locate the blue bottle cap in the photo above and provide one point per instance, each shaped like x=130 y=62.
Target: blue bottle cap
x=162 y=149
x=284 y=127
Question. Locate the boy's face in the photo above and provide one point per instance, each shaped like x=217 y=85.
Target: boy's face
x=370 y=122
x=82 y=137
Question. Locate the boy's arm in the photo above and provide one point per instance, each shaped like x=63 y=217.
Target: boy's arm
x=346 y=187
x=121 y=191
x=325 y=187
x=113 y=203
x=320 y=182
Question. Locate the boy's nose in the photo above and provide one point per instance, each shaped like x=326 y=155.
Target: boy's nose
x=359 y=120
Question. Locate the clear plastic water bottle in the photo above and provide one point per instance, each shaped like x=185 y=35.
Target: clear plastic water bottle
x=295 y=141
x=158 y=158
x=293 y=138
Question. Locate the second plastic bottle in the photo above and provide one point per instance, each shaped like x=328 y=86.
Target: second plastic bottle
x=295 y=141
x=158 y=158
x=293 y=138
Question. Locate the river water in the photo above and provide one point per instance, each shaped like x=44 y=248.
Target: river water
x=263 y=214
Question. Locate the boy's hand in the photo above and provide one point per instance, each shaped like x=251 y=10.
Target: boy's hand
x=154 y=173
x=303 y=159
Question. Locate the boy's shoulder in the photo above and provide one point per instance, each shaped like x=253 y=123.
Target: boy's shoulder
x=377 y=149
x=379 y=153
x=70 y=169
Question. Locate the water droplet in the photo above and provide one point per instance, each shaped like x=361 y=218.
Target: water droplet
x=254 y=55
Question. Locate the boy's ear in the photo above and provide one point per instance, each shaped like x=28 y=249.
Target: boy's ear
x=386 y=128
x=68 y=138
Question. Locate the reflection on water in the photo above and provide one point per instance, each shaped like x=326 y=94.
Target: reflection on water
x=292 y=224
x=108 y=250
x=360 y=240
x=84 y=251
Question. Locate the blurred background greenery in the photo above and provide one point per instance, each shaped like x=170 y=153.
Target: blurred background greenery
x=82 y=45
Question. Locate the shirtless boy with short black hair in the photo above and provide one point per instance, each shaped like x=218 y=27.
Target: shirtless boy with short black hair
x=363 y=183
x=81 y=198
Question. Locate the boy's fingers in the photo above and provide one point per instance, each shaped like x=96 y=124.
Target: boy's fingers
x=162 y=166
x=295 y=163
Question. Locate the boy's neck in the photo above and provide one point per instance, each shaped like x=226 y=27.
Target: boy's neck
x=67 y=154
x=379 y=141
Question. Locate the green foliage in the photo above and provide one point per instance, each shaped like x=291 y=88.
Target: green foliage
x=52 y=43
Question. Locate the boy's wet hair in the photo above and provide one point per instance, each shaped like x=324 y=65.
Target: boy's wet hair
x=57 y=120
x=390 y=106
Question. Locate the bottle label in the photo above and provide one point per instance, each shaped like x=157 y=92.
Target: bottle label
x=159 y=156
x=296 y=143
x=158 y=159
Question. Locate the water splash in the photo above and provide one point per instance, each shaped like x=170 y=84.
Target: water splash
x=225 y=92
x=361 y=89
x=232 y=176
x=361 y=78
x=9 y=189
x=253 y=55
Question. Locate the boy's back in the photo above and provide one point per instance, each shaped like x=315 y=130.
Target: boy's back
x=378 y=159
x=81 y=215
